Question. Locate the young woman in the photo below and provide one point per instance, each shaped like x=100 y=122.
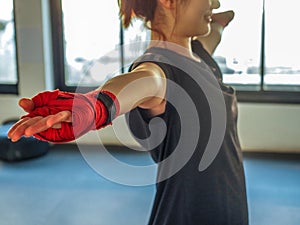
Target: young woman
x=160 y=85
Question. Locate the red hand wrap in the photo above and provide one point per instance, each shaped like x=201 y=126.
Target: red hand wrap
x=88 y=113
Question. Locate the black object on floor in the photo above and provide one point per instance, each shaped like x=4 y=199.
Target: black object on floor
x=25 y=148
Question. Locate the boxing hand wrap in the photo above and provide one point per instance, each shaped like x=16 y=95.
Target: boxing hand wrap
x=90 y=111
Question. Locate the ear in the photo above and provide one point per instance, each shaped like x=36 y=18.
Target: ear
x=169 y=4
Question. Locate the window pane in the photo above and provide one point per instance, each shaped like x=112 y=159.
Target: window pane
x=238 y=54
x=8 y=65
x=136 y=39
x=282 y=46
x=91 y=41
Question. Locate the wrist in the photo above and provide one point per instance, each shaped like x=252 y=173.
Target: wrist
x=110 y=102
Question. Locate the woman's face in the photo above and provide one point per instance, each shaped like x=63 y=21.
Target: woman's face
x=194 y=17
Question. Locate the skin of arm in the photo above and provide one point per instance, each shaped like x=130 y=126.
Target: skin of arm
x=219 y=22
x=145 y=86
x=211 y=41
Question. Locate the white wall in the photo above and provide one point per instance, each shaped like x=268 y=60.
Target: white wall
x=269 y=127
x=30 y=53
x=265 y=127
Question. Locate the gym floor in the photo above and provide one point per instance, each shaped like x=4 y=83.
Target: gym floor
x=61 y=188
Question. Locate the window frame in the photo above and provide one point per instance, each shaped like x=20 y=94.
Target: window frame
x=13 y=88
x=255 y=96
x=58 y=50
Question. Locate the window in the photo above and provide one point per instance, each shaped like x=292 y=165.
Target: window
x=256 y=57
x=93 y=46
x=259 y=51
x=238 y=54
x=91 y=41
x=135 y=41
x=282 y=67
x=8 y=61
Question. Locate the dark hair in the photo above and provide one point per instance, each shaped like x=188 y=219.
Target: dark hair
x=144 y=9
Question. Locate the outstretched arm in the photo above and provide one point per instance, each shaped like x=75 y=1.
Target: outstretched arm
x=219 y=22
x=60 y=116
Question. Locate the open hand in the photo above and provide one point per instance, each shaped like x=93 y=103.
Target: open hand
x=58 y=117
x=29 y=126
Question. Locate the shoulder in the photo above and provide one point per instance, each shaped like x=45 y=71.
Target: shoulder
x=151 y=69
x=155 y=74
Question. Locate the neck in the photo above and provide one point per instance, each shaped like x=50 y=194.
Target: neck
x=177 y=44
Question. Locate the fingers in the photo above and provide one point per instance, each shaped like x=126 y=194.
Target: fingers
x=18 y=129
x=223 y=18
x=30 y=126
x=13 y=128
x=27 y=104
x=64 y=116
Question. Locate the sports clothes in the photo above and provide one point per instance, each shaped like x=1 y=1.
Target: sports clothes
x=217 y=195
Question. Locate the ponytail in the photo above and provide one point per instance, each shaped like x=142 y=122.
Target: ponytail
x=144 y=9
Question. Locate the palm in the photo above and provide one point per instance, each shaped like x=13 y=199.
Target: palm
x=29 y=126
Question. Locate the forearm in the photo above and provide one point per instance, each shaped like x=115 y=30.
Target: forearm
x=211 y=41
x=219 y=22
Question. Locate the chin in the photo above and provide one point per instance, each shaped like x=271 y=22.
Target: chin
x=205 y=32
